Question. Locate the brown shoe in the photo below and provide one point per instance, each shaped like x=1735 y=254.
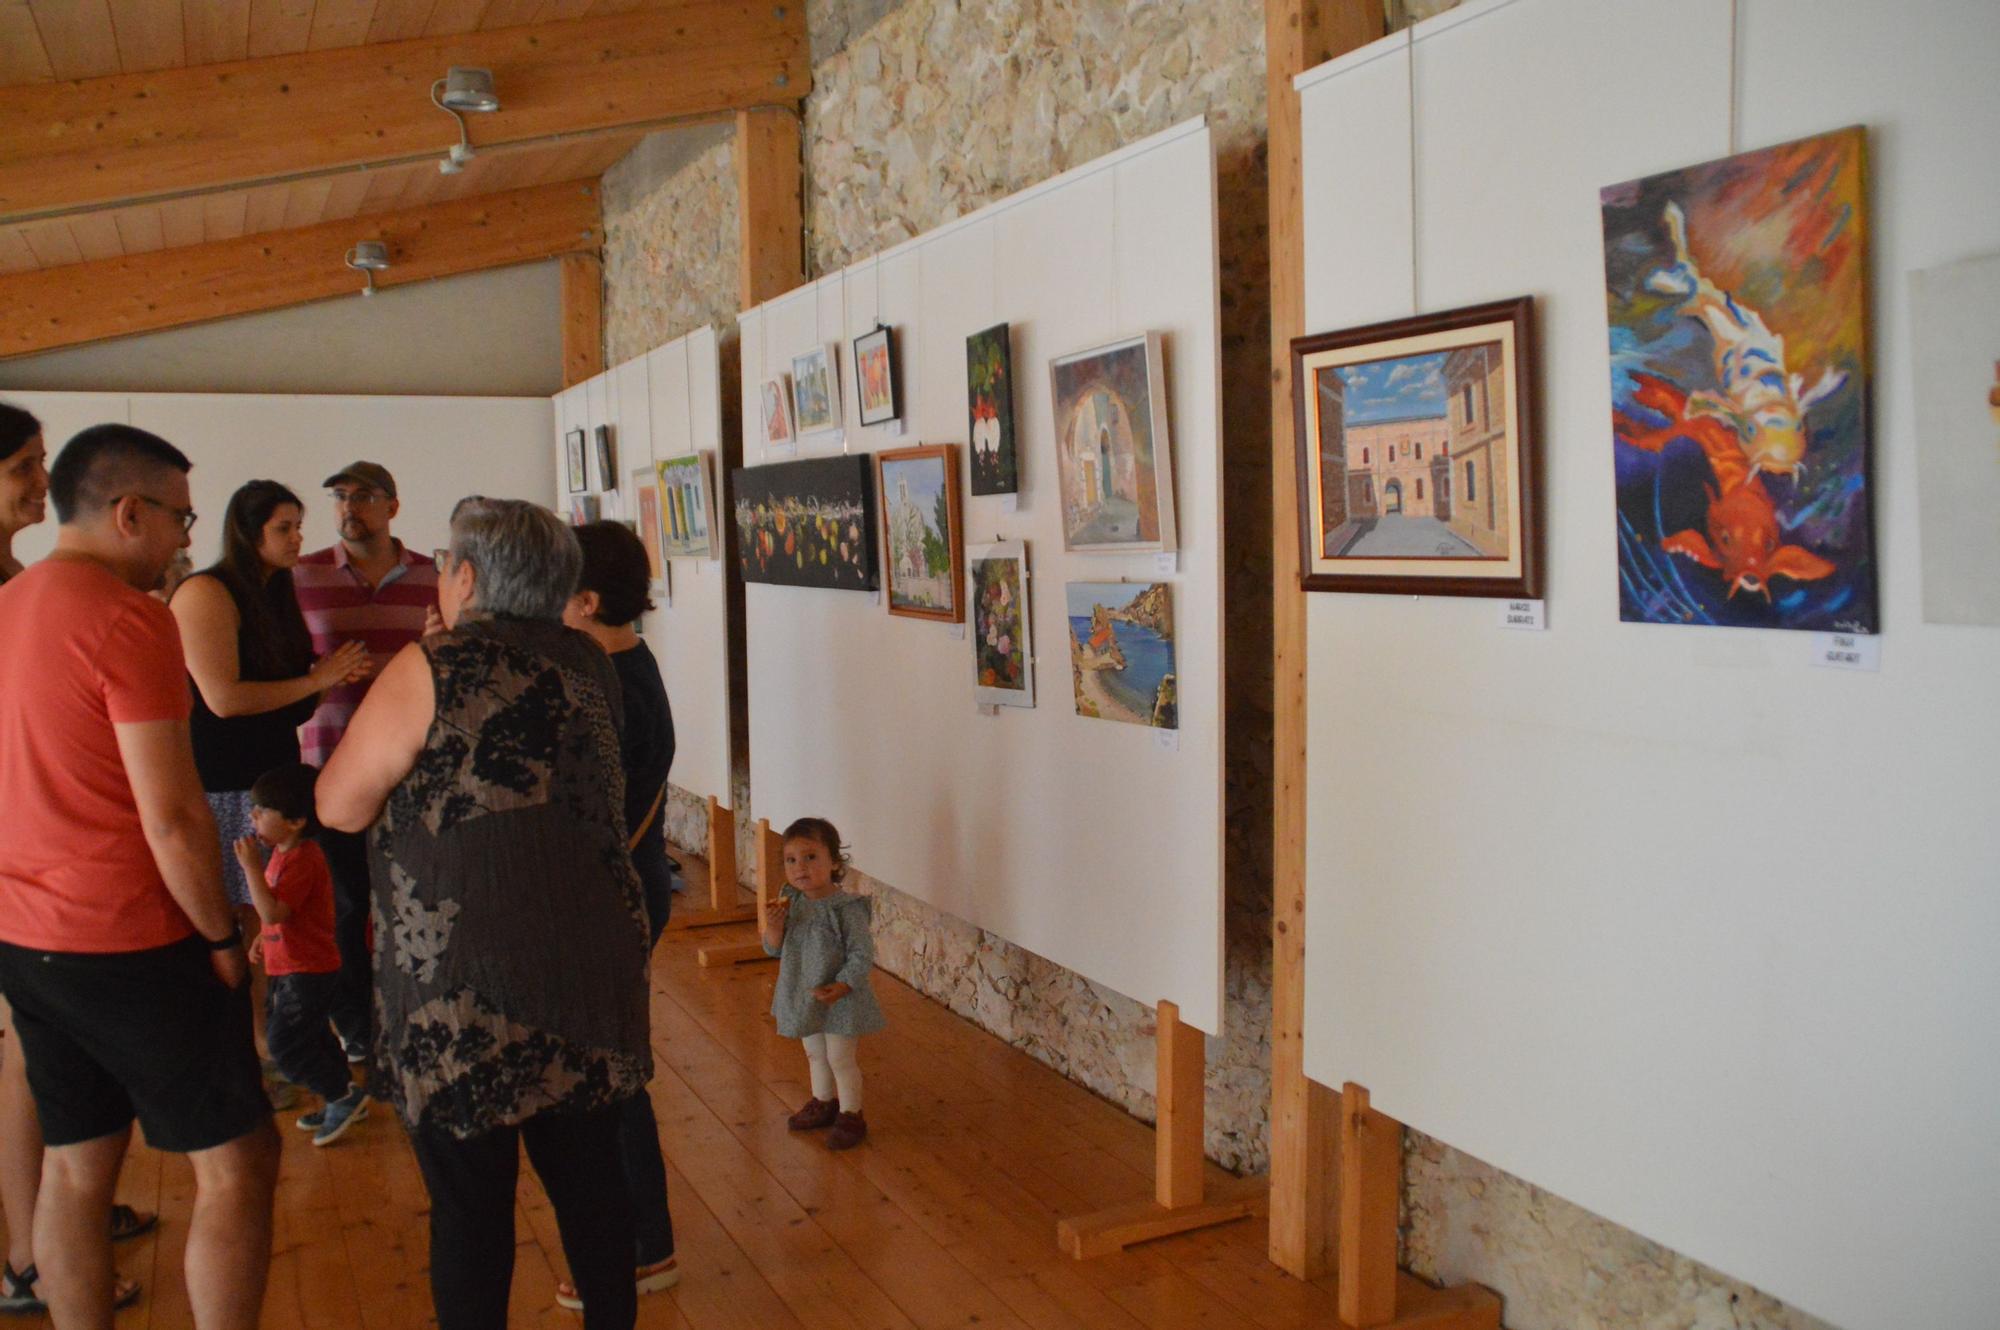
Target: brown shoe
x=817 y=1113
x=849 y=1130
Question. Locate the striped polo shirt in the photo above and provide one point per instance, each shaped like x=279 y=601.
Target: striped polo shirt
x=340 y=606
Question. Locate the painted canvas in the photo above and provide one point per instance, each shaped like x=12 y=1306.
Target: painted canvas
x=646 y=489
x=816 y=390
x=1121 y=652
x=1955 y=353
x=807 y=523
x=774 y=397
x=989 y=405
x=1003 y=657
x=879 y=396
x=1739 y=380
x=1113 y=459
x=925 y=563
x=579 y=478
x=607 y=479
x=1417 y=455
x=584 y=509
x=687 y=498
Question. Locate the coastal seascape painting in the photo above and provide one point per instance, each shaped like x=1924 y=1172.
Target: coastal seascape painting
x=1737 y=296
x=1121 y=652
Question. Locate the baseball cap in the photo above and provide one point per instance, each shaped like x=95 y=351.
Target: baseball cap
x=372 y=474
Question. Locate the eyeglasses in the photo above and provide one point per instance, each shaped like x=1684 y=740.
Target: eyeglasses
x=355 y=498
x=186 y=516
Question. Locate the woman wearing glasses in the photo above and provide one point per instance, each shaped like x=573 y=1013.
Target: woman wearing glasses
x=250 y=656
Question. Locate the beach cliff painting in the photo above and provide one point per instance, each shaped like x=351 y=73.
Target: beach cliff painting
x=1121 y=652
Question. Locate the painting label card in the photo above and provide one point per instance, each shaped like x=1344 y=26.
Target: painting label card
x=1167 y=740
x=1114 y=455
x=1010 y=503
x=1847 y=651
x=1737 y=299
x=1122 y=652
x=1523 y=614
x=1166 y=563
x=1955 y=359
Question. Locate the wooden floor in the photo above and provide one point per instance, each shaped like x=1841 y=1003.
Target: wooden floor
x=945 y=1218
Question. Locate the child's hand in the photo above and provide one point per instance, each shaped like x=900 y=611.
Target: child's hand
x=250 y=854
x=255 y=951
x=776 y=913
x=831 y=993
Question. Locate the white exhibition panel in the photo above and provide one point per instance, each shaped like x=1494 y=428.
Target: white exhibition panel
x=1663 y=919
x=438 y=448
x=663 y=404
x=1089 y=842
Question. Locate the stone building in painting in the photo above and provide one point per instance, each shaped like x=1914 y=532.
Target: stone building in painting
x=1474 y=477
x=1392 y=460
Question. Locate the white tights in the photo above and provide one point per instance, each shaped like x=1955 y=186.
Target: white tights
x=835 y=1069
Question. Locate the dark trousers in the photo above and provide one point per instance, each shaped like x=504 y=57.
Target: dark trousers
x=471 y=1183
x=638 y=1131
x=296 y=1007
x=347 y=859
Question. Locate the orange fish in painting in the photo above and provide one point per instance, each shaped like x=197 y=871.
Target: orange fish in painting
x=1743 y=542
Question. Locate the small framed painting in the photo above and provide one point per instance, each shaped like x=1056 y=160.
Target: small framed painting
x=579 y=478
x=1114 y=461
x=877 y=392
x=989 y=409
x=1003 y=656
x=1417 y=455
x=1121 y=652
x=646 y=489
x=774 y=399
x=687 y=501
x=816 y=390
x=607 y=478
x=920 y=528
x=584 y=509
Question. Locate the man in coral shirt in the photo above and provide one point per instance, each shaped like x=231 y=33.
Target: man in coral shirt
x=118 y=951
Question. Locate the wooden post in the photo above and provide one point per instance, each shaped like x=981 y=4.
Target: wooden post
x=770 y=872
x=1371 y=1184
x=1180 y=1197
x=725 y=895
x=582 y=318
x=1298 y=34
x=770 y=205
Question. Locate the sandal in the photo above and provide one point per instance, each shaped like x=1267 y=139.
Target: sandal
x=654 y=1278
x=129 y=1223
x=18 y=1297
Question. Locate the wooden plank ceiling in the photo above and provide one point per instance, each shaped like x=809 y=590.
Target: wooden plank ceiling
x=47 y=40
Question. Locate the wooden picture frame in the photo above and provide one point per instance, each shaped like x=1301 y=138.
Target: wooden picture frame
x=878 y=389
x=607 y=473
x=816 y=390
x=573 y=456
x=923 y=550
x=1418 y=455
x=1114 y=450
x=774 y=401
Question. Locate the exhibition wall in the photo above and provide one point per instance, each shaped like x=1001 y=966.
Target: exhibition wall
x=438 y=448
x=667 y=403
x=1663 y=919
x=1093 y=843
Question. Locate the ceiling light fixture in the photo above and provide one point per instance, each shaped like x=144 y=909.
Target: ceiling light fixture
x=368 y=258
x=463 y=89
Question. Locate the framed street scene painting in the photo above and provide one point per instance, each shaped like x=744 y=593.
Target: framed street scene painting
x=1417 y=455
x=1114 y=461
x=816 y=390
x=579 y=478
x=879 y=395
x=687 y=498
x=925 y=560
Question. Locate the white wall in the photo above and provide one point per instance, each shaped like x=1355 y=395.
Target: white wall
x=664 y=404
x=1663 y=919
x=438 y=448
x=1082 y=840
x=496 y=333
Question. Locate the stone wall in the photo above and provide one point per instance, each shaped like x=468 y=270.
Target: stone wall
x=923 y=110
x=669 y=242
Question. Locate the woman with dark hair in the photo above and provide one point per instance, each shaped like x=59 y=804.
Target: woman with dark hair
x=250 y=656
x=611 y=594
x=24 y=493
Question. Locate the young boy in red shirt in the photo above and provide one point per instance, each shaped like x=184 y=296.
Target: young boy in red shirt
x=293 y=895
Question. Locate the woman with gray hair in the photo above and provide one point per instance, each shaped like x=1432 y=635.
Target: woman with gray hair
x=510 y=933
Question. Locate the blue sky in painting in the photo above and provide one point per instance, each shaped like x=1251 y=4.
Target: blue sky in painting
x=1394 y=389
x=926 y=477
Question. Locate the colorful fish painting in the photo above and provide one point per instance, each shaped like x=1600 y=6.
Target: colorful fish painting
x=1737 y=302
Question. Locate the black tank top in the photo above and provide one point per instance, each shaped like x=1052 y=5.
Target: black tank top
x=231 y=752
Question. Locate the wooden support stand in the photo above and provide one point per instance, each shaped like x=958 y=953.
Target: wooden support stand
x=1179 y=1201
x=725 y=896
x=770 y=870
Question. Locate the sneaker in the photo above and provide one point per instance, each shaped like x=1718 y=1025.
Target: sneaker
x=654 y=1278
x=310 y=1121
x=341 y=1114
x=816 y=1113
x=849 y=1130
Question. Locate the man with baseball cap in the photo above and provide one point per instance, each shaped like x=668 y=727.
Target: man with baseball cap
x=366 y=588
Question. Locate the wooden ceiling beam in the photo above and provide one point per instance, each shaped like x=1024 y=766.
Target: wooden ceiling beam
x=168 y=288
x=97 y=142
